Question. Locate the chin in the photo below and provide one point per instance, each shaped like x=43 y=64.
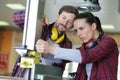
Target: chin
x=84 y=41
x=62 y=30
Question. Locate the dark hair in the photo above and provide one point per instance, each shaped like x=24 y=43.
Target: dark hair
x=98 y=23
x=69 y=9
x=90 y=18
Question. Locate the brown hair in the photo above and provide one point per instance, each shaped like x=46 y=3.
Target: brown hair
x=69 y=9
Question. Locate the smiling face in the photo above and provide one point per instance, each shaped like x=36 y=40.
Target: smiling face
x=64 y=21
x=84 y=30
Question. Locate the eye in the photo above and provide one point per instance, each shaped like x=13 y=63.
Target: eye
x=70 y=21
x=63 y=17
x=75 y=30
x=81 y=28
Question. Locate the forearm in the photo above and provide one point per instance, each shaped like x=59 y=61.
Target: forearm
x=60 y=53
x=52 y=50
x=68 y=54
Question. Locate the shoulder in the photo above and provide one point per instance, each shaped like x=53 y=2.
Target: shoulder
x=51 y=25
x=108 y=40
x=67 y=39
x=67 y=43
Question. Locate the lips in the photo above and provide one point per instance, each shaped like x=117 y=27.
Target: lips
x=82 y=38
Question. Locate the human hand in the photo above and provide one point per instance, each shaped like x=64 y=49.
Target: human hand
x=44 y=47
x=45 y=21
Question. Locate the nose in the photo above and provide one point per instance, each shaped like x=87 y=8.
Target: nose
x=78 y=33
x=65 y=22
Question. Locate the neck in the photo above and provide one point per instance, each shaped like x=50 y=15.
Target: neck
x=96 y=35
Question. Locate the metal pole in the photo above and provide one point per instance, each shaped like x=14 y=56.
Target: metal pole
x=29 y=33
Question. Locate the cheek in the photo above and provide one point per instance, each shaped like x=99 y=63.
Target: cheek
x=90 y=36
x=87 y=35
x=69 y=26
x=86 y=32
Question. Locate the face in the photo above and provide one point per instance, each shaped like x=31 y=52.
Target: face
x=64 y=21
x=84 y=30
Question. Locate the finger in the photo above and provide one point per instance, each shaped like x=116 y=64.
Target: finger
x=39 y=41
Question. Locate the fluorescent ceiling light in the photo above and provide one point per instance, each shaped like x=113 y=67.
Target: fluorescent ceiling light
x=15 y=6
x=108 y=27
x=4 y=23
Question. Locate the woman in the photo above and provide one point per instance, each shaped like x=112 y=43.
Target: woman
x=98 y=55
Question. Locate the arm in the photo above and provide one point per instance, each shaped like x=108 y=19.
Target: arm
x=106 y=48
x=67 y=54
x=65 y=44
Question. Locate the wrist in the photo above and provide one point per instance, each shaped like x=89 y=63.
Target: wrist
x=52 y=50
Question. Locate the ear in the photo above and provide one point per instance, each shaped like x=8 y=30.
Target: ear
x=57 y=16
x=94 y=26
